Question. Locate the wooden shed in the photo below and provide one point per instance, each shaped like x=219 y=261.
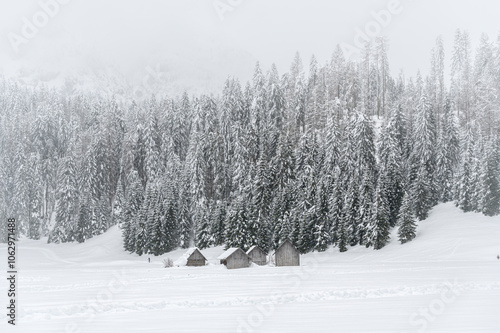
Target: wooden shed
x=234 y=258
x=192 y=257
x=257 y=255
x=287 y=255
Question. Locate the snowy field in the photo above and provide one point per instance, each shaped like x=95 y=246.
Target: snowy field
x=446 y=280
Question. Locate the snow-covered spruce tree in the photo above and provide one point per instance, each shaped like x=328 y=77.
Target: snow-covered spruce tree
x=461 y=76
x=99 y=185
x=379 y=229
x=423 y=160
x=238 y=231
x=366 y=199
x=490 y=179
x=284 y=163
x=447 y=156
x=102 y=211
x=304 y=217
x=262 y=227
x=406 y=221
x=114 y=137
x=382 y=75
x=185 y=213
x=343 y=236
x=421 y=193
x=67 y=202
x=281 y=211
x=392 y=162
x=484 y=104
x=152 y=145
x=28 y=193
x=119 y=203
x=262 y=192
x=83 y=230
x=155 y=221
x=307 y=217
x=141 y=244
x=437 y=89
x=363 y=141
x=217 y=220
x=364 y=171
x=171 y=237
x=464 y=188
x=330 y=171
x=135 y=198
x=295 y=223
x=335 y=201
x=350 y=214
x=203 y=227
x=322 y=227
x=477 y=172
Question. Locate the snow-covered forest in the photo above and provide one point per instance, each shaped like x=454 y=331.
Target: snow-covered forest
x=337 y=153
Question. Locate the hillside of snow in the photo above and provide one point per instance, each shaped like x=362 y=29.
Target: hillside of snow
x=446 y=280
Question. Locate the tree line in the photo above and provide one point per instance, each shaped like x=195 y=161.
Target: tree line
x=337 y=155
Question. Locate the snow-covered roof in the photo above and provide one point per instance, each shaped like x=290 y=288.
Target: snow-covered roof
x=228 y=252
x=253 y=248
x=190 y=251
x=283 y=243
x=182 y=261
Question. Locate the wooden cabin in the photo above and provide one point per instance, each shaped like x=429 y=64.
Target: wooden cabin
x=257 y=255
x=234 y=258
x=287 y=255
x=192 y=257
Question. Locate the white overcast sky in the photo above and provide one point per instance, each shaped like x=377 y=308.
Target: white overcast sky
x=137 y=33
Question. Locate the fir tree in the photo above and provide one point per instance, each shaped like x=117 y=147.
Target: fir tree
x=203 y=229
x=217 y=223
x=239 y=232
x=464 y=190
x=421 y=192
x=447 y=155
x=379 y=229
x=490 y=180
x=170 y=225
x=135 y=198
x=406 y=221
x=67 y=203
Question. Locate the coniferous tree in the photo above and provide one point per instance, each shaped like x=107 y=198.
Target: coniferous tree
x=379 y=229
x=421 y=192
x=203 y=231
x=67 y=204
x=322 y=227
x=135 y=198
x=406 y=221
x=239 y=230
x=447 y=155
x=154 y=223
x=141 y=244
x=217 y=223
x=392 y=162
x=423 y=161
x=170 y=216
x=464 y=188
x=490 y=180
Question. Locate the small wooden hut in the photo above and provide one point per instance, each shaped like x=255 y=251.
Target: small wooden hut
x=257 y=255
x=192 y=257
x=234 y=258
x=287 y=255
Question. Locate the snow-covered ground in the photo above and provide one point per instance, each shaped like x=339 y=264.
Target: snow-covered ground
x=446 y=280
